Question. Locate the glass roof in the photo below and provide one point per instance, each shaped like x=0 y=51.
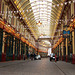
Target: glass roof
x=42 y=13
x=46 y=11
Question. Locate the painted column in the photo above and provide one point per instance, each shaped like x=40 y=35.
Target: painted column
x=14 y=49
x=62 y=50
x=59 y=51
x=73 y=33
x=25 y=49
x=73 y=57
x=20 y=51
x=25 y=52
x=3 y=47
x=72 y=9
x=66 y=49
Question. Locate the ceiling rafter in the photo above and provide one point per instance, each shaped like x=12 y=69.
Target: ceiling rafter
x=17 y=2
x=32 y=18
x=30 y=13
x=34 y=21
x=29 y=7
x=21 y=4
x=55 y=14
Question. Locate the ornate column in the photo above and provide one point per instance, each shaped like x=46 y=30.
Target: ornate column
x=20 y=51
x=73 y=58
x=66 y=49
x=62 y=50
x=59 y=51
x=14 y=49
x=72 y=9
x=3 y=47
x=25 y=51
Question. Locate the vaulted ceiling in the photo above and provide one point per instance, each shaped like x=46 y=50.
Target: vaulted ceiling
x=47 y=12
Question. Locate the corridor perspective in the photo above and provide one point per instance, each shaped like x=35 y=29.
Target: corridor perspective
x=37 y=37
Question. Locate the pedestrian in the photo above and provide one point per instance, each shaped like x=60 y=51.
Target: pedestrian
x=31 y=56
x=34 y=56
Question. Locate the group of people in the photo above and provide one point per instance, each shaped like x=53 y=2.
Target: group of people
x=30 y=56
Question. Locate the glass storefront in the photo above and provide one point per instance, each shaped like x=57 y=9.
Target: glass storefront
x=27 y=50
x=17 y=48
x=22 y=49
x=8 y=46
x=64 y=50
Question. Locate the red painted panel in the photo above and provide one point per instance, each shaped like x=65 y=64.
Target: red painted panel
x=20 y=57
x=13 y=56
x=59 y=58
x=62 y=58
x=3 y=57
x=66 y=58
x=73 y=59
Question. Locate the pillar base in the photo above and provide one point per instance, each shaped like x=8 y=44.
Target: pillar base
x=66 y=58
x=22 y=56
x=19 y=57
x=73 y=59
x=13 y=56
x=3 y=57
x=62 y=58
x=59 y=58
x=25 y=56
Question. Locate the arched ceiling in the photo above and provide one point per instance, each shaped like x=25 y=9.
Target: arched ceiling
x=46 y=11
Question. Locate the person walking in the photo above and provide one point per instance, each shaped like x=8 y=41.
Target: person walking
x=34 y=56
x=31 y=56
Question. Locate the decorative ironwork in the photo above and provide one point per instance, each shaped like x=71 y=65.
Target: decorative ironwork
x=66 y=31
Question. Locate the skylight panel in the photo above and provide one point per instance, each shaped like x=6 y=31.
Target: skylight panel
x=42 y=13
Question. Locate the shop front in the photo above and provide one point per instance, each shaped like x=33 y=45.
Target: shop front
x=17 y=48
x=8 y=46
x=22 y=49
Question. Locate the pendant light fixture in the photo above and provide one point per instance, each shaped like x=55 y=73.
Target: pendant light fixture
x=39 y=23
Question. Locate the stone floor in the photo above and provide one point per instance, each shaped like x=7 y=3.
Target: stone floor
x=36 y=67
